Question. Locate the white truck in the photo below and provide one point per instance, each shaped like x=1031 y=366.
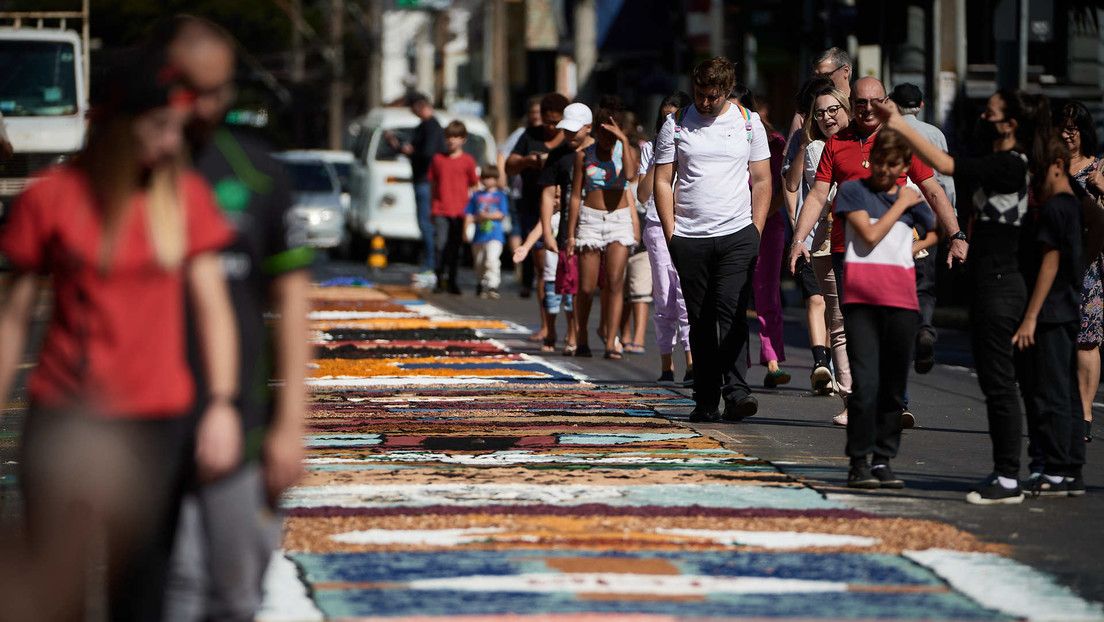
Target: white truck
x=43 y=92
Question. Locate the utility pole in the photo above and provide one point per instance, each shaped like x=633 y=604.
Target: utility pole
x=298 y=62
x=337 y=72
x=440 y=27
x=374 y=86
x=586 y=47
x=500 y=107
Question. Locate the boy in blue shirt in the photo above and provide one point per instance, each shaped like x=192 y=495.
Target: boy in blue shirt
x=485 y=210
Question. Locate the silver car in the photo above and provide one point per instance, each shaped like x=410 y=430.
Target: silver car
x=317 y=211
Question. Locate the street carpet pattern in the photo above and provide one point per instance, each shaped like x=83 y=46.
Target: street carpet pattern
x=452 y=479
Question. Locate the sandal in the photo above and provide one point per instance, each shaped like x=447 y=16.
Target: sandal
x=549 y=344
x=635 y=348
x=570 y=349
x=840 y=419
x=1088 y=430
x=614 y=355
x=583 y=351
x=537 y=336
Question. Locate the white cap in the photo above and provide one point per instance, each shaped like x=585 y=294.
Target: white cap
x=575 y=116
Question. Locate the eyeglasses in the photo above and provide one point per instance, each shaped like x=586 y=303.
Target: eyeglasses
x=863 y=103
x=828 y=74
x=830 y=111
x=1070 y=130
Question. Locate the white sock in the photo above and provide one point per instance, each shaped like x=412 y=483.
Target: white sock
x=1007 y=483
x=1054 y=479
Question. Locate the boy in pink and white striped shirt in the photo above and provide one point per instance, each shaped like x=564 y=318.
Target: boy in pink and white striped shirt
x=880 y=304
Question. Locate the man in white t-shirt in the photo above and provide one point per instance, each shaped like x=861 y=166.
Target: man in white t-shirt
x=713 y=219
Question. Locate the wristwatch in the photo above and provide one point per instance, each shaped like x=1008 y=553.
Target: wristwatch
x=959 y=235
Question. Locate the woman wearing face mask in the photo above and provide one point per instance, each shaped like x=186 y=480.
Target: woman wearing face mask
x=1016 y=127
x=1076 y=127
x=125 y=232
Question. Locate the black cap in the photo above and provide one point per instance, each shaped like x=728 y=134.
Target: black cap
x=907 y=95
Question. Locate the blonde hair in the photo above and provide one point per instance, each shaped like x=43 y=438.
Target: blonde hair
x=811 y=127
x=111 y=164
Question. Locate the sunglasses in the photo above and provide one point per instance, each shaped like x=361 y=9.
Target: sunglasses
x=828 y=74
x=863 y=103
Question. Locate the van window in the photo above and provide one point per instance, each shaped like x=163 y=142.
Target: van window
x=363 y=139
x=385 y=152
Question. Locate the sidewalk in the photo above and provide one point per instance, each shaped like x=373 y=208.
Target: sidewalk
x=452 y=476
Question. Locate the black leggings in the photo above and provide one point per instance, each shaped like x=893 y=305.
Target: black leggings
x=149 y=459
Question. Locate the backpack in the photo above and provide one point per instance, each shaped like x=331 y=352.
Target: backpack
x=681 y=114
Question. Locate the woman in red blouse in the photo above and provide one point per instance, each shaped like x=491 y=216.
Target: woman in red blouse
x=125 y=233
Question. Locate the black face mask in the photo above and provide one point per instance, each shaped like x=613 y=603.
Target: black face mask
x=985 y=132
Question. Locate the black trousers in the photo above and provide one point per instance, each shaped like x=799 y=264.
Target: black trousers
x=716 y=274
x=925 y=292
x=155 y=459
x=997 y=307
x=1048 y=380
x=879 y=347
x=449 y=232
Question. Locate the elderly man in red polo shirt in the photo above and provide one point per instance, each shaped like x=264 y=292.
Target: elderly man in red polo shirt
x=846 y=157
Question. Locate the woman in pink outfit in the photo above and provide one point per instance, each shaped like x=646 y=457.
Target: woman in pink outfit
x=671 y=323
x=768 y=270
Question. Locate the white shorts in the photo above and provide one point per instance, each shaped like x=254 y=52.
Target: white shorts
x=598 y=228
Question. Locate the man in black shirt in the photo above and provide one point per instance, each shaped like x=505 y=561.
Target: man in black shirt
x=427 y=141
x=228 y=528
x=527 y=160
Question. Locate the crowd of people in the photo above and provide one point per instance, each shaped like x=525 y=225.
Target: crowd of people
x=157 y=355
x=695 y=221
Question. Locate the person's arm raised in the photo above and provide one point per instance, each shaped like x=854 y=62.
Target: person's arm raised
x=872 y=233
x=928 y=153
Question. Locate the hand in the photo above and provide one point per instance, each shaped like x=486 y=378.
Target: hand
x=616 y=130
x=798 y=250
x=283 y=455
x=550 y=244
x=218 y=447
x=958 y=252
x=1097 y=178
x=1025 y=336
x=909 y=196
x=520 y=253
x=886 y=111
x=569 y=247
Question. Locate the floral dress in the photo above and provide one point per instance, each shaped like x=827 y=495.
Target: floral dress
x=1092 y=290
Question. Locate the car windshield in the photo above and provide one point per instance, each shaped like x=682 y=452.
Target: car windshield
x=475 y=146
x=39 y=78
x=309 y=176
x=344 y=170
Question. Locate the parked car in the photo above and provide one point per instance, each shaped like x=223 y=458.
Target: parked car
x=317 y=208
x=382 y=192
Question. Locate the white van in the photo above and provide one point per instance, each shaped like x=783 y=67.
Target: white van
x=382 y=192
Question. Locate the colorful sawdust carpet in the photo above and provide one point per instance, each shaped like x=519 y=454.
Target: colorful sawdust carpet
x=451 y=478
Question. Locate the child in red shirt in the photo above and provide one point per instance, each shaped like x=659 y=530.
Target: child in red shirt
x=453 y=177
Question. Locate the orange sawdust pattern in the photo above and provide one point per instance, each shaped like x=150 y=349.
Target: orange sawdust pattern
x=628 y=533
x=368 y=368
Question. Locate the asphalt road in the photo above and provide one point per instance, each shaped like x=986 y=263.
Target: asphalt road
x=940 y=458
